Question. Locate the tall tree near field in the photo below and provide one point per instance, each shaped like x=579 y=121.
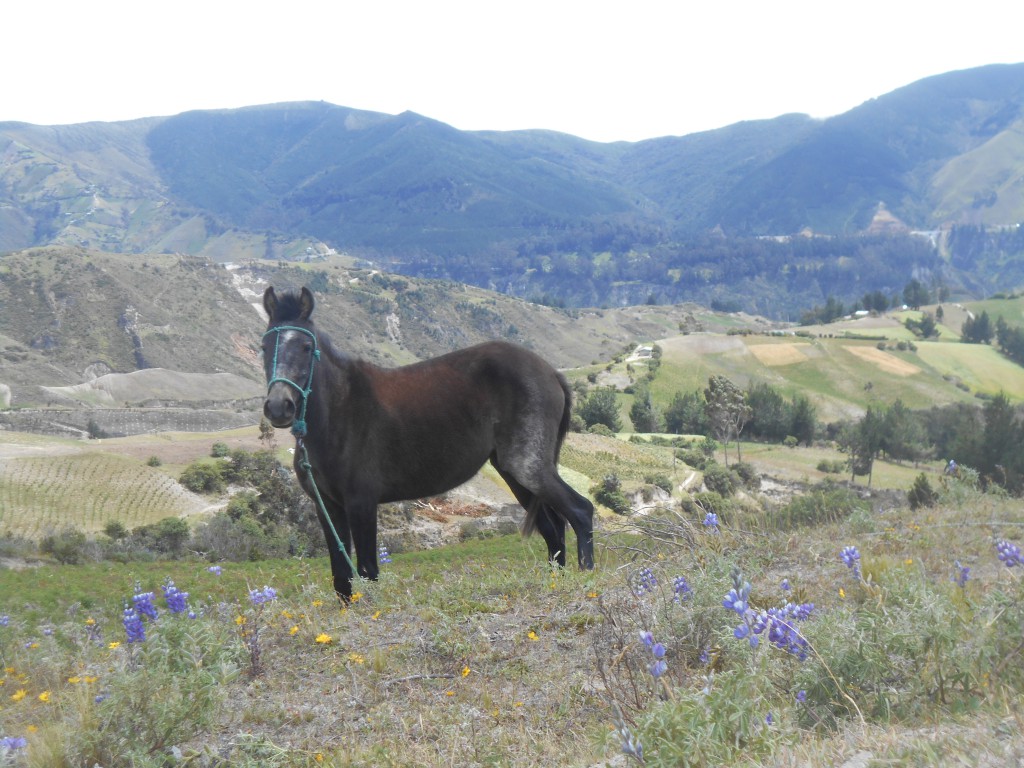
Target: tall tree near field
x=727 y=412
x=601 y=407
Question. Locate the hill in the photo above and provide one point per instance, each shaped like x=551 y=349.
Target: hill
x=535 y=213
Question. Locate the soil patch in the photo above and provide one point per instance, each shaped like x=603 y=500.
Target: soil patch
x=884 y=361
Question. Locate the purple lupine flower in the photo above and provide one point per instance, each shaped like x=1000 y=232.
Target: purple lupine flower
x=177 y=601
x=214 y=569
x=1008 y=553
x=144 y=604
x=851 y=558
x=711 y=521
x=801 y=696
x=962 y=574
x=133 y=625
x=11 y=743
x=5 y=620
x=785 y=585
x=261 y=596
x=645 y=581
x=383 y=555
x=681 y=589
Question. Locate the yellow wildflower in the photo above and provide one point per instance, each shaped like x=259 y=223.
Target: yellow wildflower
x=294 y=630
x=376 y=616
x=842 y=593
x=90 y=679
x=44 y=696
x=324 y=638
x=531 y=635
x=591 y=594
x=356 y=597
x=465 y=671
x=113 y=645
x=239 y=619
x=74 y=679
x=317 y=603
x=356 y=658
x=90 y=622
x=449 y=693
x=909 y=561
x=32 y=728
x=19 y=694
x=286 y=614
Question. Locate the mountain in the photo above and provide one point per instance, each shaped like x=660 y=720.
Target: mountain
x=538 y=213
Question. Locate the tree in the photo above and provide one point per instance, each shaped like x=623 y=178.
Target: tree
x=686 y=414
x=915 y=295
x=804 y=421
x=863 y=441
x=977 y=330
x=644 y=415
x=727 y=412
x=602 y=407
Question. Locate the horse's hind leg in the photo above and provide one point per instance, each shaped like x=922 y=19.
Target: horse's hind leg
x=551 y=527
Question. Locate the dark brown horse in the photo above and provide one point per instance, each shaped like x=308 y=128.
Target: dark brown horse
x=376 y=435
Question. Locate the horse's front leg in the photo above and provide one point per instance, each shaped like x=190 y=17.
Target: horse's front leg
x=337 y=535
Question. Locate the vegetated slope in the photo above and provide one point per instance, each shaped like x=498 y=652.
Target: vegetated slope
x=70 y=316
x=532 y=212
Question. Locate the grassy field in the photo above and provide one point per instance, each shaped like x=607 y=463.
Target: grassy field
x=480 y=654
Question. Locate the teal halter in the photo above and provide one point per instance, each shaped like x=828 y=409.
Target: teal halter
x=299 y=424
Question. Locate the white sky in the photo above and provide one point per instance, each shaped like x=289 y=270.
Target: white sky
x=606 y=71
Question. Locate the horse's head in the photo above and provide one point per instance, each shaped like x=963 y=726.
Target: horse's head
x=290 y=353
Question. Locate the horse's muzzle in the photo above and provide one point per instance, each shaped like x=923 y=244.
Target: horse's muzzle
x=279 y=408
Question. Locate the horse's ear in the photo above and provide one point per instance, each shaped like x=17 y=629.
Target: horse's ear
x=306 y=303
x=270 y=302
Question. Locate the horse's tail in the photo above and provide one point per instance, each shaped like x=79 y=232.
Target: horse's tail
x=534 y=509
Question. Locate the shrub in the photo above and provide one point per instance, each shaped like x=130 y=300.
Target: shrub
x=921 y=494
x=219 y=450
x=154 y=461
x=201 y=477
x=827 y=503
x=69 y=547
x=695 y=459
x=720 y=480
x=609 y=493
x=600 y=429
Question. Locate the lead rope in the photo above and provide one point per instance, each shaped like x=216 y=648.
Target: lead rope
x=304 y=463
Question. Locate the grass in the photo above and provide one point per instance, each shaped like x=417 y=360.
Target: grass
x=481 y=654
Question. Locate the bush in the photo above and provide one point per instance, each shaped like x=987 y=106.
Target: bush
x=609 y=493
x=921 y=494
x=832 y=466
x=201 y=477
x=696 y=459
x=720 y=480
x=69 y=547
x=154 y=461
x=827 y=503
x=219 y=450
x=600 y=429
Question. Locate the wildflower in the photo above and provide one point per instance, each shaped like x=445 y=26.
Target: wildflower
x=785 y=585
x=19 y=694
x=11 y=743
x=842 y=593
x=133 y=625
x=356 y=658
x=214 y=569
x=74 y=680
x=294 y=630
x=239 y=619
x=737 y=600
x=768 y=719
x=143 y=603
x=963 y=573
x=851 y=558
x=531 y=635
x=465 y=671
x=261 y=596
x=324 y=639
x=801 y=696
x=356 y=597
x=375 y=616
x=631 y=746
x=90 y=622
x=711 y=522
x=176 y=599
x=383 y=555
x=113 y=645
x=44 y=697
x=681 y=589
x=644 y=581
x=5 y=620
x=1008 y=553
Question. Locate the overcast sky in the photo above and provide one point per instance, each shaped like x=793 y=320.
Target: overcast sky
x=605 y=71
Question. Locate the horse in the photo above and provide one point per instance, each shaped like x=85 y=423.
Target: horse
x=367 y=435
